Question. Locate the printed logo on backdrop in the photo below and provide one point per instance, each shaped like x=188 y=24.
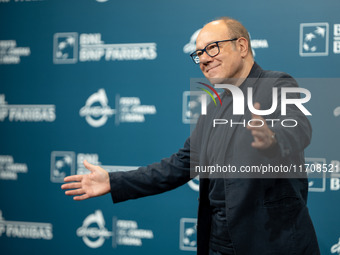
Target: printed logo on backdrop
x=19 y=1
x=255 y=43
x=125 y=232
x=191 y=45
x=65 y=163
x=128 y=109
x=194 y=184
x=336 y=111
x=91 y=48
x=315 y=39
x=188 y=234
x=316 y=180
x=65 y=48
x=317 y=169
x=26 y=113
x=192 y=101
x=336 y=248
x=335 y=176
x=62 y=165
x=96 y=110
x=93 y=231
x=25 y=230
x=9 y=170
x=258 y=44
x=11 y=53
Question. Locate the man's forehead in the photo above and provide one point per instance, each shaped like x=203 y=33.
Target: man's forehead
x=213 y=31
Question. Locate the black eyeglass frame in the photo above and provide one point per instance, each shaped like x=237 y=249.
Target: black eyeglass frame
x=192 y=55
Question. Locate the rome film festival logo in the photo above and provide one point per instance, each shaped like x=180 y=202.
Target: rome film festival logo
x=314 y=39
x=93 y=231
x=194 y=184
x=128 y=109
x=96 y=110
x=126 y=232
x=11 y=53
x=9 y=169
x=336 y=248
x=191 y=45
x=336 y=111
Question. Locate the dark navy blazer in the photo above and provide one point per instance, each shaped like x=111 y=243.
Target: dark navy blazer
x=265 y=215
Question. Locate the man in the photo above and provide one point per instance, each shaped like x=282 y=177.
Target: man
x=243 y=216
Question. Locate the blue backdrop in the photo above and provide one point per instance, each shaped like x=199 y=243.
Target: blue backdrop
x=106 y=81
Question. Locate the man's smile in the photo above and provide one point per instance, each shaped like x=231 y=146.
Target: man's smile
x=211 y=68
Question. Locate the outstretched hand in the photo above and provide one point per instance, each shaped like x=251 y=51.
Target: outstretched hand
x=94 y=184
x=263 y=135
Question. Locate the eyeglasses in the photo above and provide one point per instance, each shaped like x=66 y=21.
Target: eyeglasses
x=212 y=49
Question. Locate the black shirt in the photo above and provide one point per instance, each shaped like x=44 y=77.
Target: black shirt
x=219 y=236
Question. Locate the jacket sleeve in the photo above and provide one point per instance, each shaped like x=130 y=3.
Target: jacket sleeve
x=293 y=131
x=153 y=179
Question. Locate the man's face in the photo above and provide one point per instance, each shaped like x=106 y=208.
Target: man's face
x=228 y=63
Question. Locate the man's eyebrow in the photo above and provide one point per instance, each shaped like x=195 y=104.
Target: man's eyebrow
x=206 y=45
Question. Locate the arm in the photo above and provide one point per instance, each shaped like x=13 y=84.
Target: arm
x=285 y=140
x=156 y=178
x=153 y=179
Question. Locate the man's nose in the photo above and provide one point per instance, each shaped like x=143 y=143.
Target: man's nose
x=205 y=58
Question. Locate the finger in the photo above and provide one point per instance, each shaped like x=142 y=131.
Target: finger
x=258 y=134
x=257 y=144
x=83 y=197
x=74 y=192
x=257 y=106
x=89 y=166
x=75 y=185
x=73 y=178
x=256 y=124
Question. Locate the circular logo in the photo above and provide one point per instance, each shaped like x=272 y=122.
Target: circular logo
x=94 y=236
x=97 y=115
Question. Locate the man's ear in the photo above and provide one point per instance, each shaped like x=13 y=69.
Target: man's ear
x=243 y=46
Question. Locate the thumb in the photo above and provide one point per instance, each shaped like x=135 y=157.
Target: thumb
x=257 y=106
x=89 y=166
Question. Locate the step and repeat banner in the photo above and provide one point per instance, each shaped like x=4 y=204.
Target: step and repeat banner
x=108 y=81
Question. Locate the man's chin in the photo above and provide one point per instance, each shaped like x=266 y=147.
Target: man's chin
x=223 y=80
